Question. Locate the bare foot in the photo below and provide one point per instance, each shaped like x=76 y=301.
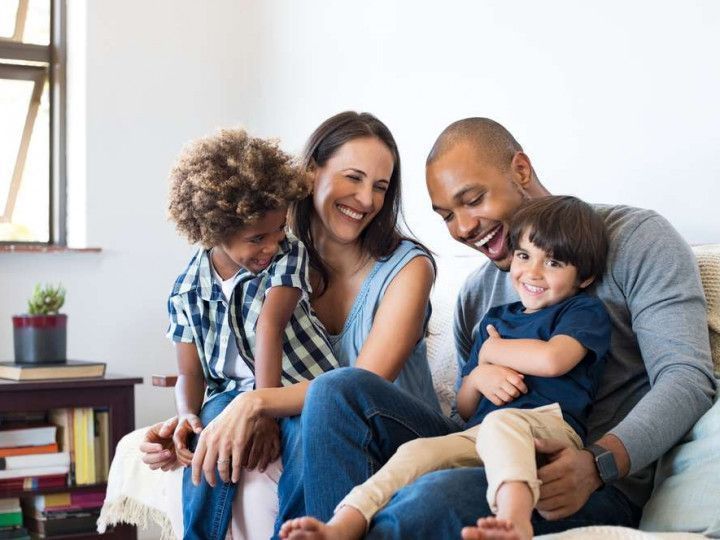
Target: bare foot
x=309 y=528
x=492 y=528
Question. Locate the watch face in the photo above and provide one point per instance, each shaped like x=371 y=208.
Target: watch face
x=605 y=463
x=606 y=467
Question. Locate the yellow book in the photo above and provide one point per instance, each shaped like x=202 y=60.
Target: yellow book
x=41 y=502
x=78 y=436
x=90 y=445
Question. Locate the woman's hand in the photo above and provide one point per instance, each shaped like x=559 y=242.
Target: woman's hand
x=186 y=426
x=264 y=447
x=501 y=385
x=158 y=450
x=223 y=441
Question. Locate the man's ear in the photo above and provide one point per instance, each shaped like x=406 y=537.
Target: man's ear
x=585 y=284
x=522 y=169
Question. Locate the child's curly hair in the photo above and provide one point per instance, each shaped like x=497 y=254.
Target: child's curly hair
x=228 y=180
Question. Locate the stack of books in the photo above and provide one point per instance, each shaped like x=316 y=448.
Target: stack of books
x=11 y=520
x=59 y=514
x=84 y=433
x=29 y=458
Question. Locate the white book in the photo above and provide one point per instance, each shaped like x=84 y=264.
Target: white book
x=35 y=460
x=9 y=505
x=29 y=436
x=34 y=471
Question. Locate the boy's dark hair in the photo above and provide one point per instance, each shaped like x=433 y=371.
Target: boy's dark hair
x=566 y=228
x=226 y=181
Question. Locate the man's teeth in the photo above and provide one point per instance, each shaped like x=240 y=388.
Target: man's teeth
x=485 y=239
x=532 y=288
x=350 y=213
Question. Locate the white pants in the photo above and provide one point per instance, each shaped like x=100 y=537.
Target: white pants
x=255 y=507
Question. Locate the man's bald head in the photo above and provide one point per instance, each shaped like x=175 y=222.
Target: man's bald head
x=492 y=141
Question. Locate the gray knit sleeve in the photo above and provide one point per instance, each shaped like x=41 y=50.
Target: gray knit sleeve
x=661 y=283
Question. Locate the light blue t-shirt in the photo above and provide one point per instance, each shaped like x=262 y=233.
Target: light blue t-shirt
x=415 y=376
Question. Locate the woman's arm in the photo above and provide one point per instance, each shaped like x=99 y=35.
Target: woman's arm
x=399 y=321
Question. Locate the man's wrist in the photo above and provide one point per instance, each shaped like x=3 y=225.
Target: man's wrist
x=606 y=469
x=594 y=479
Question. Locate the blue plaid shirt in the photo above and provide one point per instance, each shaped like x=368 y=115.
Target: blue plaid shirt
x=200 y=314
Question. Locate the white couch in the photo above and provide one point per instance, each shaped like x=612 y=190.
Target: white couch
x=687 y=485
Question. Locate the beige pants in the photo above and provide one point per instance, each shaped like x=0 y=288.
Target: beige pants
x=503 y=443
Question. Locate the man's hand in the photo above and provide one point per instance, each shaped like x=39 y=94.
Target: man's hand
x=157 y=448
x=568 y=479
x=264 y=447
x=499 y=384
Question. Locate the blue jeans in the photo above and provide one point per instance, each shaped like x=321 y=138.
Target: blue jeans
x=353 y=421
x=458 y=499
x=351 y=424
x=207 y=510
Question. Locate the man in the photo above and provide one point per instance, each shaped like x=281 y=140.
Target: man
x=657 y=383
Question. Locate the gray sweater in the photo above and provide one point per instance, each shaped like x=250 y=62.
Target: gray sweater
x=658 y=378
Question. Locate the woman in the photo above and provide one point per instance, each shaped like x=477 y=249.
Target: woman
x=371 y=293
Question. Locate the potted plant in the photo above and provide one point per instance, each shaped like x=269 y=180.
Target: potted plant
x=40 y=336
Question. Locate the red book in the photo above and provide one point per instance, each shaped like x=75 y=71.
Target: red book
x=34 y=482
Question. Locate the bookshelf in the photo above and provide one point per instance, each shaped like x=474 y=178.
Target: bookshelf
x=114 y=392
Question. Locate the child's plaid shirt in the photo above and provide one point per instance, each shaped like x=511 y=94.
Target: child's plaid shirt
x=199 y=314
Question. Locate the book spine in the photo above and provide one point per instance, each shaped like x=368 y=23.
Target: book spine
x=90 y=444
x=80 y=478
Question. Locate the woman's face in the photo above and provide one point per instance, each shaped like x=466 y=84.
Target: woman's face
x=350 y=187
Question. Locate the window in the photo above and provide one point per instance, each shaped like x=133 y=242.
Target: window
x=32 y=143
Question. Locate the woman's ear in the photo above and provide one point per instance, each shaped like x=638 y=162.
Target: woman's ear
x=585 y=284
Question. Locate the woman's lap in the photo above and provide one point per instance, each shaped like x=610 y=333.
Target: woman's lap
x=352 y=423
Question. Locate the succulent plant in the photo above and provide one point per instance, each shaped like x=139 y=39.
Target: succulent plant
x=46 y=300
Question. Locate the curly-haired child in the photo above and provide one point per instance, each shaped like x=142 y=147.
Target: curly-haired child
x=239 y=313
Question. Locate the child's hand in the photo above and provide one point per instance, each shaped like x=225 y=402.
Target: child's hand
x=490 y=343
x=187 y=425
x=501 y=385
x=157 y=448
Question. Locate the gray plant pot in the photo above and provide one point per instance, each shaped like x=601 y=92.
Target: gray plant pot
x=40 y=339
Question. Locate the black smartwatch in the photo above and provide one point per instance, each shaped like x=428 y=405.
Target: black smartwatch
x=605 y=463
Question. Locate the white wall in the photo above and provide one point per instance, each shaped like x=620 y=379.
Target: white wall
x=613 y=101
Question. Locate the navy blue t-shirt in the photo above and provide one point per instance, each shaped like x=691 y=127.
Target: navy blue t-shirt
x=582 y=317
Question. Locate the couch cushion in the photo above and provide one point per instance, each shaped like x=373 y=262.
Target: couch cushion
x=615 y=533
x=687 y=482
x=709 y=262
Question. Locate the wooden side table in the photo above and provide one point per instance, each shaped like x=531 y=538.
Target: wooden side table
x=114 y=392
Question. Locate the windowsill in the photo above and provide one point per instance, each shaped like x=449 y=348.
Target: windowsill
x=41 y=248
